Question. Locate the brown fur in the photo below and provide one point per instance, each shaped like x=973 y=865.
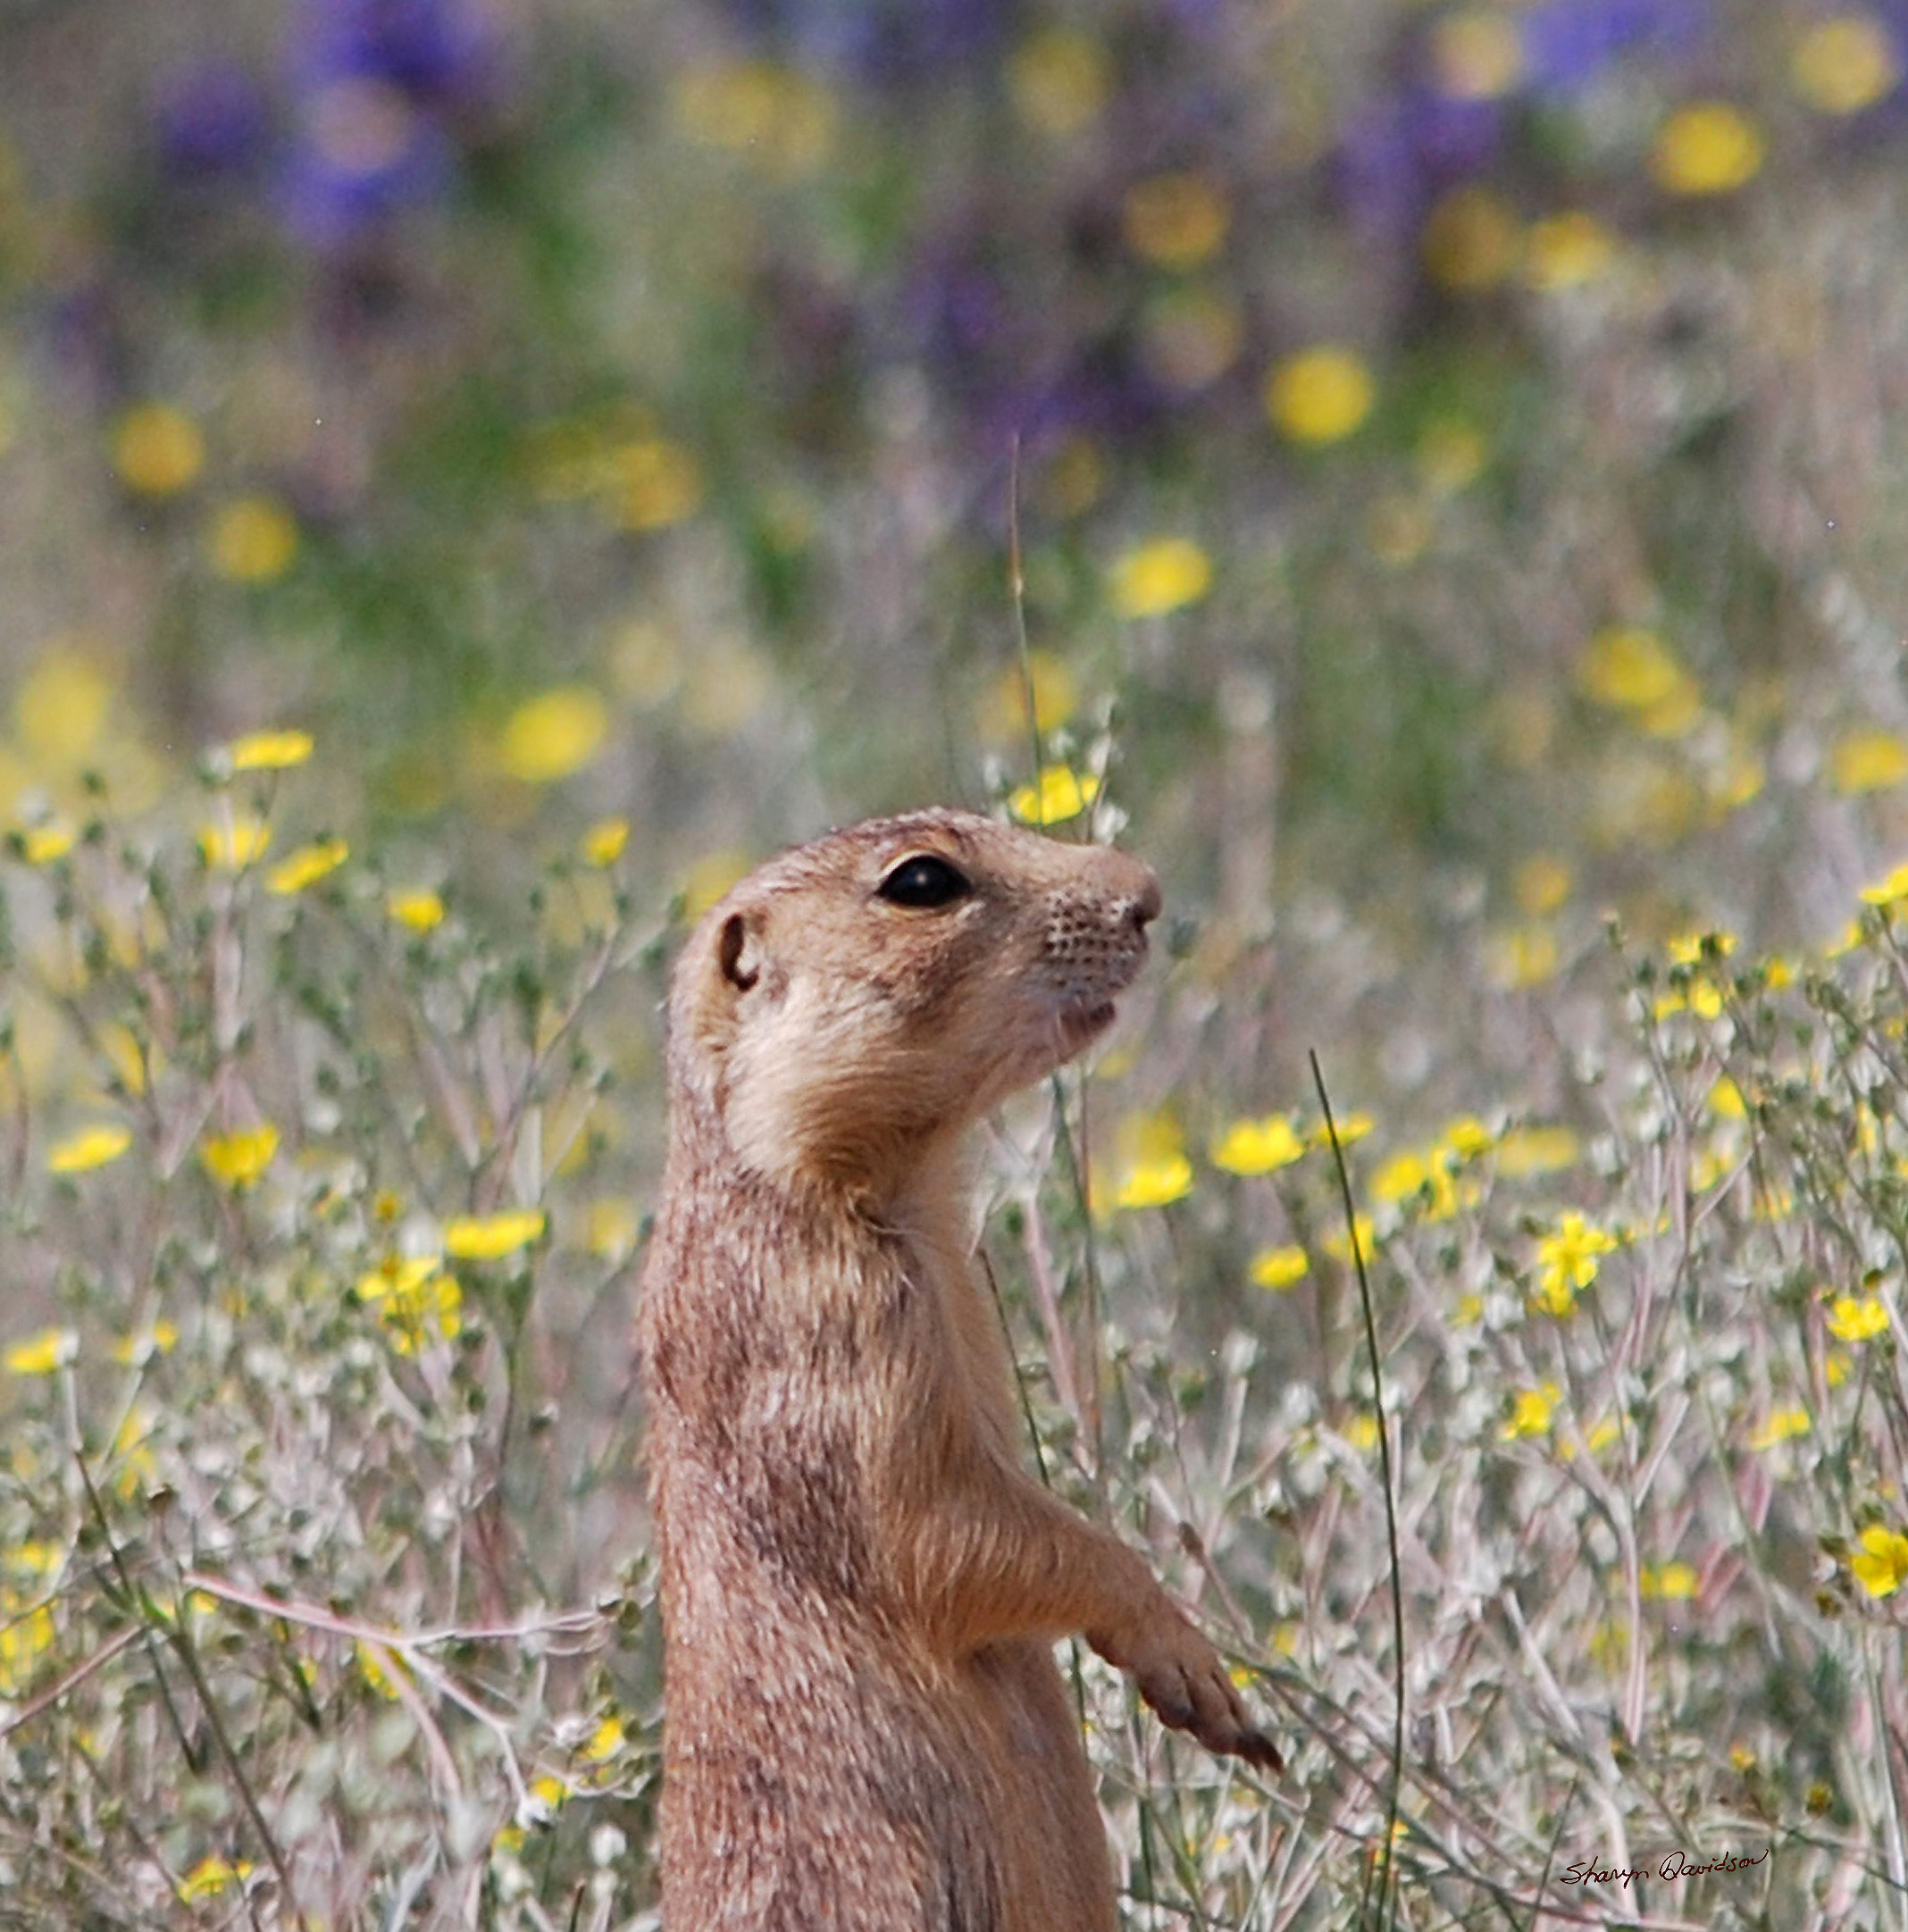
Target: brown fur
x=861 y=1586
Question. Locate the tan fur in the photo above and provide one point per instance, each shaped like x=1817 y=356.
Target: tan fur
x=861 y=1585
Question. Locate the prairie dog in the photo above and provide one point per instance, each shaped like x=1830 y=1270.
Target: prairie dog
x=865 y=1729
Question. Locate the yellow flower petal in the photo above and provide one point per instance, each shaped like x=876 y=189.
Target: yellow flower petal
x=1869 y=760
x=157 y=450
x=1152 y=1184
x=1882 y=1568
x=1062 y=793
x=51 y=1348
x=92 y=1147
x=239 y=1159
x=603 y=842
x=1846 y=64
x=1780 y=1426
x=253 y=541
x=211 y=1876
x=1532 y=1413
x=1161 y=576
x=489 y=1237
x=270 y=752
x=549 y=737
x=1565 y=250
x=306 y=865
x=1320 y=396
x=1279 y=1267
x=1851 y=1320
x=419 y=910
x=231 y=846
x=43 y=844
x=1668 y=1582
x=1258 y=1146
x=1708 y=147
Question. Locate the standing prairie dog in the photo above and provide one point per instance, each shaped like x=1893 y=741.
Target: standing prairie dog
x=866 y=1728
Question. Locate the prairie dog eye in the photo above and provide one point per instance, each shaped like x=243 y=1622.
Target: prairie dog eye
x=925 y=880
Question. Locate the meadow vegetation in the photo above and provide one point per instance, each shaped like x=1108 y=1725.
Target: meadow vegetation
x=1427 y=476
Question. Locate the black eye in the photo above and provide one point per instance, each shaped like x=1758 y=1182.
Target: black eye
x=923 y=881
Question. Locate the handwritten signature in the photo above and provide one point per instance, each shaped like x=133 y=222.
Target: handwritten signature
x=1675 y=1865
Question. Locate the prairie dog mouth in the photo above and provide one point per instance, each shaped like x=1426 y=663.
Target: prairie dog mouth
x=1084 y=1020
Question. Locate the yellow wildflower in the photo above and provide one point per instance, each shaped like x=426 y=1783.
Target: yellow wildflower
x=1061 y=794
x=1361 y=1431
x=91 y=1147
x=253 y=541
x=416 y=1302
x=211 y=1876
x=1279 y=1267
x=44 y=845
x=1353 y=1126
x=1339 y=1244
x=603 y=842
x=1174 y=220
x=306 y=865
x=1161 y=576
x=1882 y=1567
x=1153 y=1183
x=159 y=1339
x=1889 y=891
x=1845 y=64
x=1320 y=395
x=239 y=1159
x=606 y=1741
x=1258 y=1146
x=381 y=1668
x=490 y=1237
x=419 y=910
x=157 y=450
x=1567 y=250
x=552 y=736
x=1854 y=1319
x=1631 y=669
x=270 y=752
x=42 y=1354
x=1868 y=760
x=1781 y=1425
x=60 y=707
x=1059 y=79
x=1725 y=1100
x=1708 y=147
x=1532 y=1413
x=234 y=845
x=1567 y=1261
x=1668 y=1582
x=1467 y=1137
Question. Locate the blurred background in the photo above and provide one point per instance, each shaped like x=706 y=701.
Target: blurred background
x=1455 y=444
x=1429 y=475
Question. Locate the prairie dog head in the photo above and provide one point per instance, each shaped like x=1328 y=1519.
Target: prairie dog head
x=862 y=998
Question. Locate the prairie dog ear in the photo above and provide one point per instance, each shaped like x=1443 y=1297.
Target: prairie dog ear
x=739 y=952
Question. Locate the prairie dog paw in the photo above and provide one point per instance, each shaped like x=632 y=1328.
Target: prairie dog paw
x=1186 y=1682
